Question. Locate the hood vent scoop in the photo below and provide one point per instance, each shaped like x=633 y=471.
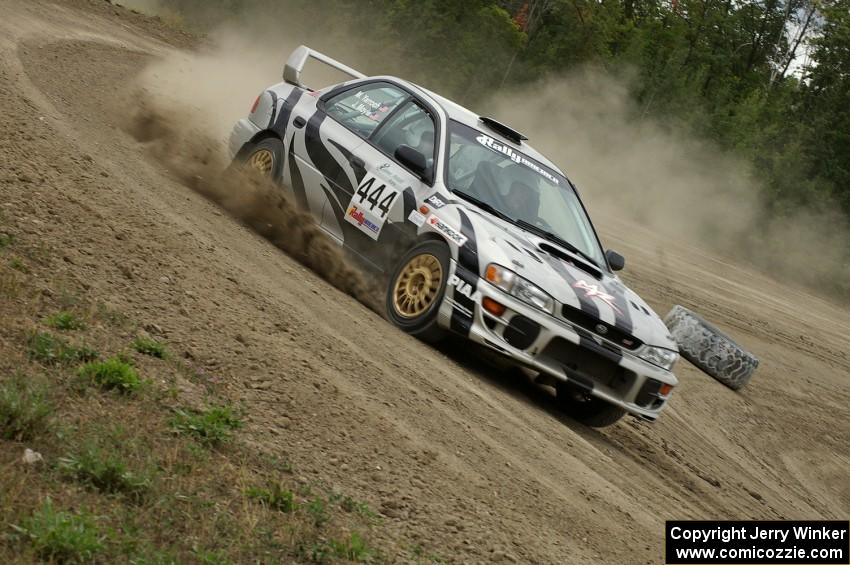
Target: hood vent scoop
x=561 y=254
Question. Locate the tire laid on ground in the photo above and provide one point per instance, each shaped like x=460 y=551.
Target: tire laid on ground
x=416 y=289
x=265 y=158
x=588 y=410
x=710 y=349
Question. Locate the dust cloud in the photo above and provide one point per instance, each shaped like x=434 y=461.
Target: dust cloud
x=625 y=165
x=174 y=139
x=665 y=180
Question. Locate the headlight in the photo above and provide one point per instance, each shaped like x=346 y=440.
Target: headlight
x=518 y=287
x=663 y=358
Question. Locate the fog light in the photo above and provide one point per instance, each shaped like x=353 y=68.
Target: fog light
x=665 y=389
x=493 y=307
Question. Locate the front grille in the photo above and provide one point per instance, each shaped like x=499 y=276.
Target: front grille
x=589 y=323
x=600 y=368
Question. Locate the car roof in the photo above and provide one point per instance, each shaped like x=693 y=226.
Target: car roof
x=469 y=118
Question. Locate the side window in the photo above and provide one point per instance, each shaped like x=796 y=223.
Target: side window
x=362 y=109
x=412 y=125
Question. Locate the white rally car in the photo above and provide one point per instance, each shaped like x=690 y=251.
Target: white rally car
x=478 y=233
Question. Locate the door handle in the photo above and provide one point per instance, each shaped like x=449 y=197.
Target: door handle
x=299 y=122
x=357 y=162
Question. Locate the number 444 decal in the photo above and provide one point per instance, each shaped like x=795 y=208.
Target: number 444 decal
x=370 y=206
x=374 y=196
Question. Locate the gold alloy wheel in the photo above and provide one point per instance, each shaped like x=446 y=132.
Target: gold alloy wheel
x=417 y=285
x=262 y=161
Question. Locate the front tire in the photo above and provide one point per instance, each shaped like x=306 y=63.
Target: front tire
x=589 y=410
x=416 y=290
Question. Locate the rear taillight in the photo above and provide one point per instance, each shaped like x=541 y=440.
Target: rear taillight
x=255 y=104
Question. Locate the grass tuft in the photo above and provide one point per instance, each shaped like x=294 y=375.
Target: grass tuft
x=51 y=350
x=354 y=548
x=19 y=266
x=6 y=240
x=24 y=409
x=62 y=537
x=350 y=505
x=148 y=346
x=65 y=321
x=112 y=374
x=318 y=510
x=104 y=470
x=211 y=427
x=276 y=498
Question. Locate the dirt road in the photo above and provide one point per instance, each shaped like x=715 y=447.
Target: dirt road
x=477 y=464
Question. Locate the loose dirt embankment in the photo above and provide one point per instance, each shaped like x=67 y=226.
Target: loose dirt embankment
x=472 y=464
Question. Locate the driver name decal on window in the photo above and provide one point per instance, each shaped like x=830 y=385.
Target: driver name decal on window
x=518 y=158
x=372 y=109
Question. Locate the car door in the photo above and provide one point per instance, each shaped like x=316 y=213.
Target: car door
x=329 y=133
x=382 y=207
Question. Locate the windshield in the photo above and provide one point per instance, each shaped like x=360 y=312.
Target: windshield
x=518 y=187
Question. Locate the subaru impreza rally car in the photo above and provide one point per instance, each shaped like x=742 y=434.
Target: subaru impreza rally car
x=476 y=233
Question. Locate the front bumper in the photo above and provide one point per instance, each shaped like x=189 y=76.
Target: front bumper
x=556 y=348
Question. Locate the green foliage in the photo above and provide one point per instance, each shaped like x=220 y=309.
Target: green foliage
x=19 y=265
x=62 y=537
x=354 y=548
x=52 y=350
x=350 y=505
x=24 y=409
x=211 y=427
x=104 y=469
x=148 y=346
x=318 y=510
x=65 y=321
x=6 y=240
x=211 y=558
x=112 y=374
x=276 y=497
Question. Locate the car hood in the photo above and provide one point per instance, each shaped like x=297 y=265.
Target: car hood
x=588 y=293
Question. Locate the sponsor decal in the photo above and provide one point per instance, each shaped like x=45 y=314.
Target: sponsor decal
x=416 y=218
x=435 y=201
x=593 y=291
x=361 y=218
x=518 y=158
x=454 y=235
x=464 y=288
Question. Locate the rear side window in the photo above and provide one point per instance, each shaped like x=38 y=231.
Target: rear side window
x=362 y=109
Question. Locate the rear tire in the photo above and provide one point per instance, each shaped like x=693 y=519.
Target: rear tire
x=710 y=349
x=416 y=289
x=589 y=410
x=265 y=158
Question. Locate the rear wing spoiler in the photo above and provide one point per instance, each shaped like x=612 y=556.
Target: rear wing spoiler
x=295 y=64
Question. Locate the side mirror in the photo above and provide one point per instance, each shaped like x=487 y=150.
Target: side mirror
x=412 y=159
x=615 y=260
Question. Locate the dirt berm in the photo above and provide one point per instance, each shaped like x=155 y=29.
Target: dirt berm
x=476 y=464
